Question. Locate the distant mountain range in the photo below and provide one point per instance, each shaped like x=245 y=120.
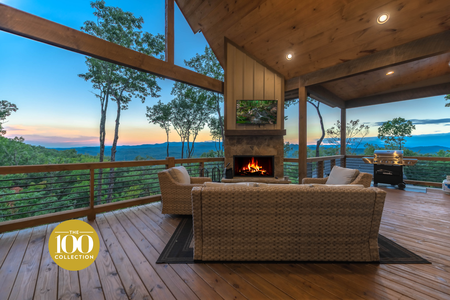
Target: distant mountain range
x=426 y=143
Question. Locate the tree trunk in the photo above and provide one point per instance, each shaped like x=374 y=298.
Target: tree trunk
x=220 y=121
x=167 y=132
x=113 y=152
x=104 y=108
x=319 y=142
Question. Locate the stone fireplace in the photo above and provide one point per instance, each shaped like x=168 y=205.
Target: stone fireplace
x=256 y=146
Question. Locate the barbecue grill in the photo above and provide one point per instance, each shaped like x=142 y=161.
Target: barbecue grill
x=388 y=167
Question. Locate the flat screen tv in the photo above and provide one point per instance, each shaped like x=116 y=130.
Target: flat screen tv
x=256 y=111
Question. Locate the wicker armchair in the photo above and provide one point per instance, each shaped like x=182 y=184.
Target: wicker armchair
x=176 y=197
x=361 y=178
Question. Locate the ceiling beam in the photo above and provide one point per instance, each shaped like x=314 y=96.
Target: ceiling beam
x=325 y=96
x=423 y=92
x=33 y=27
x=425 y=47
x=318 y=93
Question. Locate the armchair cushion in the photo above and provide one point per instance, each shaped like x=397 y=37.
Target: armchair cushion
x=340 y=175
x=180 y=175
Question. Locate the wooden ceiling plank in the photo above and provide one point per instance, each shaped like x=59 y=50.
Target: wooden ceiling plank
x=45 y=31
x=325 y=96
x=203 y=9
x=336 y=19
x=365 y=38
x=425 y=47
x=430 y=91
x=377 y=82
x=318 y=60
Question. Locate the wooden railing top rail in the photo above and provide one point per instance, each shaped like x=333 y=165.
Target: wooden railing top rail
x=428 y=158
x=99 y=165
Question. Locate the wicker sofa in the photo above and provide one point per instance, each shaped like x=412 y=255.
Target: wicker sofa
x=286 y=223
x=176 y=197
x=361 y=178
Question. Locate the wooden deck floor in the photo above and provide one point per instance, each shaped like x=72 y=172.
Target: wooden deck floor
x=132 y=239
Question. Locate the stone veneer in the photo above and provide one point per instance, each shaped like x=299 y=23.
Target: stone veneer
x=256 y=145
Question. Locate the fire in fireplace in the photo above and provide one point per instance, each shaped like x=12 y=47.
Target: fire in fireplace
x=253 y=166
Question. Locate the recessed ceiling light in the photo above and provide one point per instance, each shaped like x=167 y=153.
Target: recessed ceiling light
x=382 y=18
x=390 y=73
x=289 y=56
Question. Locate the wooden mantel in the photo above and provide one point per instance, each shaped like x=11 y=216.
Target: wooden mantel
x=255 y=132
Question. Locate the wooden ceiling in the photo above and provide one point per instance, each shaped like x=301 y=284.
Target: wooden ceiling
x=421 y=73
x=319 y=33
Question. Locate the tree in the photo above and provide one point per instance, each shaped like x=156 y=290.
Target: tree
x=161 y=114
x=190 y=114
x=6 y=108
x=447 y=98
x=355 y=133
x=395 y=132
x=207 y=64
x=118 y=83
x=216 y=130
x=288 y=148
x=316 y=105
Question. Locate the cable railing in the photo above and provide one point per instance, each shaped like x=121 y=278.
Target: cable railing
x=428 y=171
x=35 y=195
x=316 y=167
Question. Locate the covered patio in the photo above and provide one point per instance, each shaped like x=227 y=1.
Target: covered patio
x=132 y=239
x=341 y=58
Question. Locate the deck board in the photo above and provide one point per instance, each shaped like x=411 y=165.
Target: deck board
x=132 y=239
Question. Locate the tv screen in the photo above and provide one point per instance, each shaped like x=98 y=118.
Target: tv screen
x=256 y=111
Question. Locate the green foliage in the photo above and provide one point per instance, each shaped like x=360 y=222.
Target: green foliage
x=256 y=112
x=119 y=83
x=355 y=133
x=287 y=149
x=395 y=131
x=161 y=114
x=190 y=114
x=6 y=108
x=447 y=98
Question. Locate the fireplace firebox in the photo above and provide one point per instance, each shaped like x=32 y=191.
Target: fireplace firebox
x=253 y=166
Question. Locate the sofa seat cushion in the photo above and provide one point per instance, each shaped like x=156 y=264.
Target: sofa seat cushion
x=335 y=186
x=180 y=175
x=340 y=175
x=220 y=184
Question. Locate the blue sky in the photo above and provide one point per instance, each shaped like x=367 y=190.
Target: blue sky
x=58 y=109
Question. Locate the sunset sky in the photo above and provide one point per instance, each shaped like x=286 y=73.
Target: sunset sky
x=59 y=109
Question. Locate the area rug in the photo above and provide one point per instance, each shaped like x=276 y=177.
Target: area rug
x=180 y=248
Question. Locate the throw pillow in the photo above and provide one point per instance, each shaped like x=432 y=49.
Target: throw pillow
x=180 y=175
x=340 y=175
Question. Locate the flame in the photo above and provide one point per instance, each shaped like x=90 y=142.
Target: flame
x=253 y=167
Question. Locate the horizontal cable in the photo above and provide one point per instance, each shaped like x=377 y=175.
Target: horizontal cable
x=45 y=203
x=41 y=197
x=34 y=211
x=46 y=190
x=55 y=176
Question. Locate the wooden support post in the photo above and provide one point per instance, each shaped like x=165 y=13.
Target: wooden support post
x=343 y=136
x=91 y=215
x=202 y=167
x=320 y=169
x=302 y=134
x=170 y=162
x=332 y=163
x=170 y=36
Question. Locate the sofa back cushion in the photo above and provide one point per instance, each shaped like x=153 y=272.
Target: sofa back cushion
x=340 y=175
x=180 y=175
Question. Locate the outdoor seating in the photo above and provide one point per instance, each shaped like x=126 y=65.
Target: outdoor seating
x=359 y=178
x=176 y=192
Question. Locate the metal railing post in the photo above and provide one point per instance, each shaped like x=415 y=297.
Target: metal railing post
x=91 y=215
